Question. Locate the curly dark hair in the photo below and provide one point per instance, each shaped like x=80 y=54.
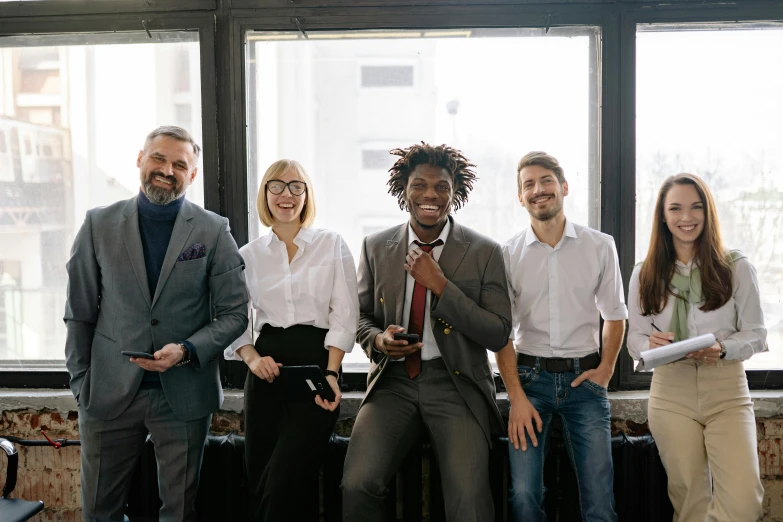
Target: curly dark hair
x=455 y=163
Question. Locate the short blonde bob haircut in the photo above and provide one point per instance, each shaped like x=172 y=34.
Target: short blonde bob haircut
x=277 y=170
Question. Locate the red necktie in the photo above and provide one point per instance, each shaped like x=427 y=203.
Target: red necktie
x=416 y=319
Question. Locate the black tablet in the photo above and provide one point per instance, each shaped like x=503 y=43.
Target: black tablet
x=302 y=383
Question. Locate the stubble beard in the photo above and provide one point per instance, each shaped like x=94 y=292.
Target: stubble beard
x=546 y=215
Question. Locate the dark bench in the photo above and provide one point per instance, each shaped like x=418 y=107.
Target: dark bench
x=640 y=483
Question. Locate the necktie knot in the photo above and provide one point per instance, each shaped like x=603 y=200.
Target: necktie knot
x=427 y=247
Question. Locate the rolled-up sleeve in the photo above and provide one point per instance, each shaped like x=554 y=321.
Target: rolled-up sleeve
x=609 y=297
x=344 y=301
x=751 y=335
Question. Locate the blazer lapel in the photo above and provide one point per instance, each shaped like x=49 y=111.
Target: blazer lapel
x=132 y=238
x=179 y=237
x=396 y=250
x=453 y=251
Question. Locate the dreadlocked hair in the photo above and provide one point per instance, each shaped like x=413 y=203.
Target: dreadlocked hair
x=443 y=156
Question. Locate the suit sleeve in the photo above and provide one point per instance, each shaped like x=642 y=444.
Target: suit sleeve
x=229 y=301
x=368 y=330
x=487 y=322
x=82 y=305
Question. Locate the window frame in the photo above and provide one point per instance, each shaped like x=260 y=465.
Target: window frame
x=202 y=23
x=361 y=18
x=625 y=378
x=222 y=25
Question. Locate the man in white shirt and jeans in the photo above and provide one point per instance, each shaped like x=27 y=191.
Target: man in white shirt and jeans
x=561 y=276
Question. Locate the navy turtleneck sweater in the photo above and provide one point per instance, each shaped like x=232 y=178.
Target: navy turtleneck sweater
x=156 y=223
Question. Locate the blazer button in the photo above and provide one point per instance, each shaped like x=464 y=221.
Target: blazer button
x=381 y=300
x=447 y=331
x=154 y=322
x=456 y=372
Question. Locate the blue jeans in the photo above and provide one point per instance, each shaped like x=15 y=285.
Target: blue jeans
x=584 y=413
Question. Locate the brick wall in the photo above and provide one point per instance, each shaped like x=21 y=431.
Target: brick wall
x=53 y=475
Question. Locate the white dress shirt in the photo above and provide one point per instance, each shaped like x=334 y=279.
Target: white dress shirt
x=557 y=293
x=739 y=323
x=430 y=349
x=317 y=288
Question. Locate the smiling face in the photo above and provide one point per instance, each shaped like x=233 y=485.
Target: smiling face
x=286 y=207
x=542 y=194
x=167 y=167
x=683 y=211
x=429 y=196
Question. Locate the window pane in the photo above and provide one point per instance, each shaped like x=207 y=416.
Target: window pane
x=73 y=117
x=387 y=76
x=338 y=102
x=708 y=102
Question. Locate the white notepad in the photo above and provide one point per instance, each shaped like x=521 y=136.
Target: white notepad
x=674 y=352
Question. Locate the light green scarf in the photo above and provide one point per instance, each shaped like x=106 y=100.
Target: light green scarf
x=689 y=291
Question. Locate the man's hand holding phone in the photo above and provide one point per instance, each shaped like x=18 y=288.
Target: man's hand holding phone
x=395 y=343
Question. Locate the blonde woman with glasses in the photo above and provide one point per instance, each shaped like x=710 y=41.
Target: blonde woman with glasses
x=304 y=310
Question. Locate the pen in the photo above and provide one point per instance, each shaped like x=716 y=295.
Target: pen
x=653 y=325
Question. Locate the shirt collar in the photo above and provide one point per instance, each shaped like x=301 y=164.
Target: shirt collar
x=444 y=234
x=687 y=266
x=568 y=231
x=305 y=235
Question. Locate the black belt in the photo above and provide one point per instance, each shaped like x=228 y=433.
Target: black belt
x=559 y=364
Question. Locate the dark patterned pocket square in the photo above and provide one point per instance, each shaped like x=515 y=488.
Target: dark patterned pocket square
x=195 y=251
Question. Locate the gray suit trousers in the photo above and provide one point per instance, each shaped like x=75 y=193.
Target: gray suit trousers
x=391 y=421
x=111 y=449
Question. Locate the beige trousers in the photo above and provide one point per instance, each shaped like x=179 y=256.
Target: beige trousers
x=702 y=419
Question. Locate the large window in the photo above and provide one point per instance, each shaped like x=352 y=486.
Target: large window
x=74 y=111
x=709 y=102
x=338 y=102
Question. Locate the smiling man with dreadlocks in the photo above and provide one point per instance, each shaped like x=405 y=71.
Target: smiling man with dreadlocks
x=445 y=285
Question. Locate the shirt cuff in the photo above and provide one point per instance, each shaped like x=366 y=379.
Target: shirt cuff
x=617 y=315
x=341 y=340
x=191 y=350
x=732 y=349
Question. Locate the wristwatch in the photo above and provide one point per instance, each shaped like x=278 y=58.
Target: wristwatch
x=332 y=373
x=722 y=350
x=185 y=355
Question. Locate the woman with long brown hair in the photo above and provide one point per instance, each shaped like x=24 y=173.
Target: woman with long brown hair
x=700 y=411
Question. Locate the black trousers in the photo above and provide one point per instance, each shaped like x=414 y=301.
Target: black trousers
x=285 y=441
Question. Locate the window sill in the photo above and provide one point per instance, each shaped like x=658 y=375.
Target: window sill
x=627 y=405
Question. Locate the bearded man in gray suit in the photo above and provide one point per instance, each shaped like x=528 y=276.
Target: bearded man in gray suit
x=160 y=275
x=447 y=284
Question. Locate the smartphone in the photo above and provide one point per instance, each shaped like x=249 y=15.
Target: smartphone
x=410 y=337
x=140 y=355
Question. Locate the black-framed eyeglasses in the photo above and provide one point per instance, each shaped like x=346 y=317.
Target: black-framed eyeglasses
x=296 y=188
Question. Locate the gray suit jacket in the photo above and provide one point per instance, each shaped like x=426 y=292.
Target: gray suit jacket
x=109 y=309
x=472 y=315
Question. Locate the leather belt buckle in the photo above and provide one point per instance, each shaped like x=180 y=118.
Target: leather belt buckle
x=558 y=365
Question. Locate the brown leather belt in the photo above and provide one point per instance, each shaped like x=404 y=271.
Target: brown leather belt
x=558 y=364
